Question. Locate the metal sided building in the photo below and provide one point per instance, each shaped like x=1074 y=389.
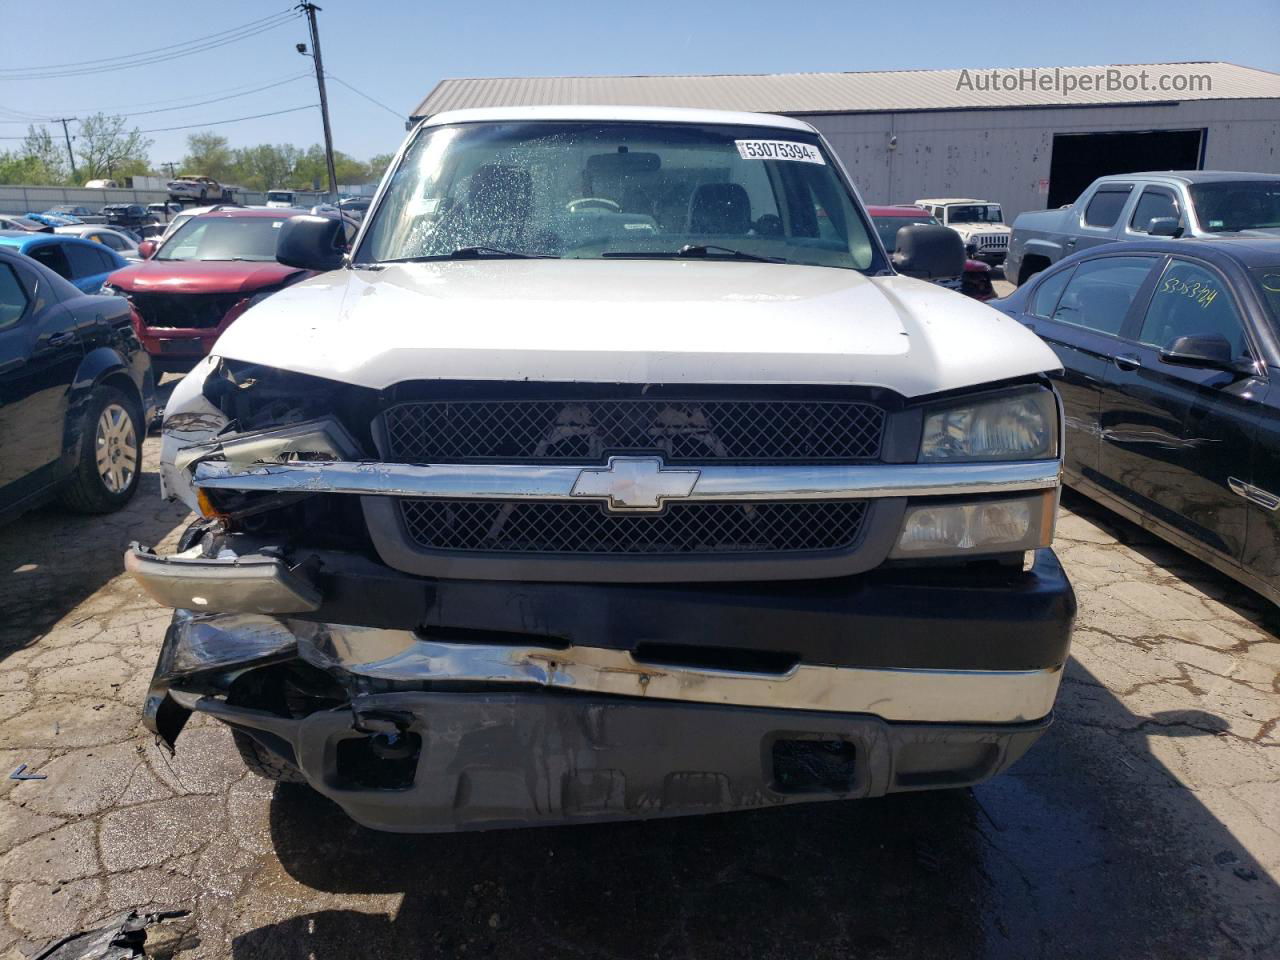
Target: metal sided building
x=1028 y=138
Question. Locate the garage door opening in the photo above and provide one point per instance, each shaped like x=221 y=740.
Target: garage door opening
x=1080 y=158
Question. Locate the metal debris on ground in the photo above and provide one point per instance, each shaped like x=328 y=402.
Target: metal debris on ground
x=124 y=937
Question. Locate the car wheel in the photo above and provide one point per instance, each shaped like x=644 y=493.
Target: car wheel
x=263 y=762
x=106 y=477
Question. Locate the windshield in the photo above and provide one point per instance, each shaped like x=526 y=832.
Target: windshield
x=279 y=196
x=591 y=190
x=1242 y=205
x=888 y=227
x=223 y=238
x=975 y=213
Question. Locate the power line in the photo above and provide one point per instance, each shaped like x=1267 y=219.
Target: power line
x=146 y=61
x=395 y=113
x=143 y=53
x=229 y=93
x=214 y=123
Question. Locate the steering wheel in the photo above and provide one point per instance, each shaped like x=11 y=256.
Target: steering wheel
x=574 y=206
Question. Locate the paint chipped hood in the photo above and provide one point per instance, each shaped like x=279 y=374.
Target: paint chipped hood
x=634 y=321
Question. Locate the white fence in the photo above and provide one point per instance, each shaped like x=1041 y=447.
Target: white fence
x=24 y=199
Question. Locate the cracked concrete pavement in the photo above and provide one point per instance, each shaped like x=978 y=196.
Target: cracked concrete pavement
x=1145 y=824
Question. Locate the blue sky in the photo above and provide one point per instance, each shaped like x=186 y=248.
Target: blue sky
x=396 y=50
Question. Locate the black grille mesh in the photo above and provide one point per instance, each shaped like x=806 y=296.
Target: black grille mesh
x=587 y=528
x=682 y=430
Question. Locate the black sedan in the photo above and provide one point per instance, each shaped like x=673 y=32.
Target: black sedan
x=1169 y=350
x=76 y=393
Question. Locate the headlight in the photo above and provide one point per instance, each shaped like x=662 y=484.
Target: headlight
x=989 y=526
x=107 y=290
x=1021 y=425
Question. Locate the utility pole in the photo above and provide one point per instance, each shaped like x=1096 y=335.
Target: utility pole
x=70 y=156
x=170 y=164
x=310 y=10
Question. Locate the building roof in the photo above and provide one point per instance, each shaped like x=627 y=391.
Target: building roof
x=869 y=92
x=608 y=112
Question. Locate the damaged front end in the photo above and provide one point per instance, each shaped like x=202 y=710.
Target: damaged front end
x=497 y=672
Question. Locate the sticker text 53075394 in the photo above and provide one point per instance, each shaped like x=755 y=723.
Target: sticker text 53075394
x=778 y=150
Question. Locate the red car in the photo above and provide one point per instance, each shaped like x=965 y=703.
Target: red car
x=195 y=284
x=976 y=281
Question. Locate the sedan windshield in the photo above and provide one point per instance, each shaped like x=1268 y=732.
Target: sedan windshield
x=888 y=227
x=1242 y=205
x=975 y=213
x=593 y=190
x=223 y=238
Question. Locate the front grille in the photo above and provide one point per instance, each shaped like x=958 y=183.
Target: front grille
x=682 y=529
x=198 y=310
x=585 y=430
x=993 y=240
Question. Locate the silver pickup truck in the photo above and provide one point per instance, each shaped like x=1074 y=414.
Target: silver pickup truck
x=1138 y=206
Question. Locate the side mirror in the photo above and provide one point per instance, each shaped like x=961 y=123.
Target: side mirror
x=312 y=243
x=1210 y=351
x=929 y=252
x=147 y=249
x=1164 y=227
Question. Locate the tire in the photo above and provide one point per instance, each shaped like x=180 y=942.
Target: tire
x=264 y=763
x=106 y=477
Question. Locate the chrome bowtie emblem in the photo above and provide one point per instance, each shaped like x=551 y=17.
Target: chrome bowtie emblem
x=634 y=483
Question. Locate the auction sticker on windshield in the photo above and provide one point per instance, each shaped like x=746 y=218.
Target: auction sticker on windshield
x=778 y=150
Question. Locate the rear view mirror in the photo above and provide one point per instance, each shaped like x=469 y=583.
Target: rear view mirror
x=147 y=249
x=1210 y=351
x=1164 y=227
x=929 y=252
x=623 y=164
x=312 y=243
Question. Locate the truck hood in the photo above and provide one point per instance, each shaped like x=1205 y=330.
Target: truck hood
x=633 y=321
x=201 y=276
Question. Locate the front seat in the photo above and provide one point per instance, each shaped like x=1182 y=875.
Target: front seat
x=720 y=208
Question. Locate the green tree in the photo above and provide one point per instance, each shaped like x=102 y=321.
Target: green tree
x=209 y=154
x=266 y=165
x=105 y=148
x=39 y=160
x=378 y=164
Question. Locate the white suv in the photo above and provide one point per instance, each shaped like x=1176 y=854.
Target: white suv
x=615 y=470
x=980 y=224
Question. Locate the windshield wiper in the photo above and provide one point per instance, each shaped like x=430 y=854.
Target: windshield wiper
x=475 y=253
x=695 y=251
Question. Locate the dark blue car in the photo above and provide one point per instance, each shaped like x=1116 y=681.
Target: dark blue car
x=1169 y=352
x=76 y=392
x=83 y=262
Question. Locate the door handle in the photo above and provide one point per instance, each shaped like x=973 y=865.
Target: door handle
x=1070 y=243
x=61 y=339
x=1127 y=361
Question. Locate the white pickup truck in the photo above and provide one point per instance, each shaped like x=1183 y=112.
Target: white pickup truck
x=614 y=470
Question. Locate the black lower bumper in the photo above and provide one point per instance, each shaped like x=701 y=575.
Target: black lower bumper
x=927 y=617
x=433 y=762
